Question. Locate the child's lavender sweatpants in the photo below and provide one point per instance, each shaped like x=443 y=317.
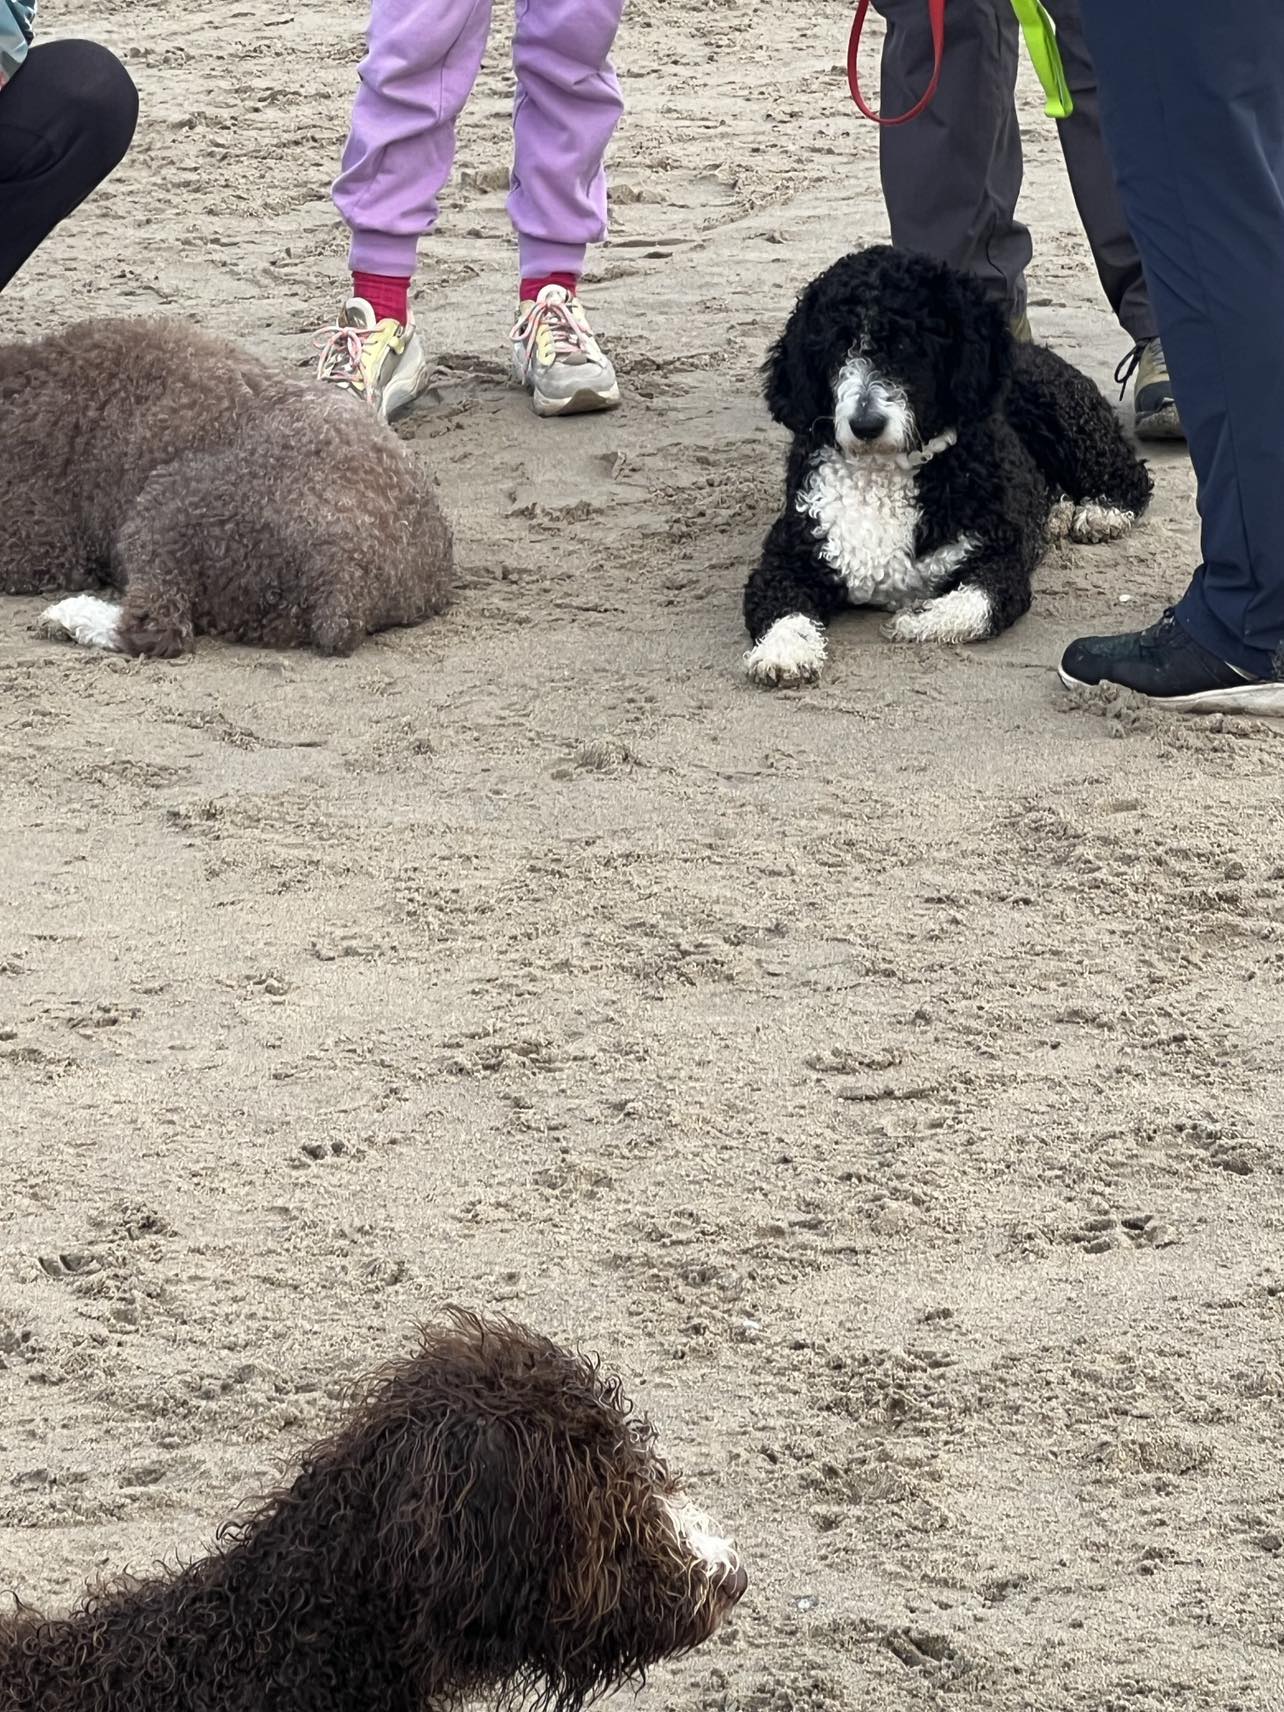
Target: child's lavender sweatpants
x=422 y=61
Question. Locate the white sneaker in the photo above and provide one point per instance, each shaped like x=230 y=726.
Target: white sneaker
x=557 y=359
x=382 y=362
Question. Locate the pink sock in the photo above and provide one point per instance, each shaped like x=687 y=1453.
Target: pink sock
x=531 y=288
x=389 y=297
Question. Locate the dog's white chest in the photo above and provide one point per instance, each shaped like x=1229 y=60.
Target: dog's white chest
x=865 y=512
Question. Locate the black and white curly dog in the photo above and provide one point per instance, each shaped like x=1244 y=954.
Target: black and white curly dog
x=491 y=1521
x=933 y=460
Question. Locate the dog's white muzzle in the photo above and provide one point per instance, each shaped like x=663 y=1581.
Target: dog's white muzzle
x=871 y=414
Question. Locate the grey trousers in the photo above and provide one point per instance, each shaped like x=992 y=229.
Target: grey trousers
x=952 y=177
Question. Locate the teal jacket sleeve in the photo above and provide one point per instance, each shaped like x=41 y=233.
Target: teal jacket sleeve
x=16 y=20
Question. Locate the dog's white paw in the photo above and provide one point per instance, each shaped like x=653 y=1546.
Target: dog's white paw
x=82 y=618
x=1061 y=519
x=792 y=652
x=1094 y=522
x=963 y=615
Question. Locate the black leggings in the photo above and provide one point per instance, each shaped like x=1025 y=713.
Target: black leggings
x=66 y=120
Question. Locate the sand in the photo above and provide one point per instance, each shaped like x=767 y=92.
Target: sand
x=885 y=1077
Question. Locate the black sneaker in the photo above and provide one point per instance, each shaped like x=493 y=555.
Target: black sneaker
x=1166 y=664
x=1153 y=405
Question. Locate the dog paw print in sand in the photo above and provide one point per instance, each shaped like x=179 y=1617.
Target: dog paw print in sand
x=130 y=1221
x=936 y=1658
x=118 y=1272
x=886 y=1493
x=568 y=1178
x=898 y=1387
x=269 y=983
x=1103 y=1232
x=599 y=755
x=1229 y=1153
x=325 y=1153
x=874 y=1476
x=1191 y=1140
x=920 y=1649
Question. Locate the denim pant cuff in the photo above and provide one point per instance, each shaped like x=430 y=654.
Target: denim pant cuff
x=1196 y=617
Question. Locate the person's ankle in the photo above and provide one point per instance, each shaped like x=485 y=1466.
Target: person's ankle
x=386 y=294
x=532 y=284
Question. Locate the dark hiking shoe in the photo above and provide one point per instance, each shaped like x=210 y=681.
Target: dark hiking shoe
x=1154 y=408
x=1166 y=664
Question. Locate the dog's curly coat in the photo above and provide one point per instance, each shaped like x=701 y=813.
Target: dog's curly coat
x=222 y=496
x=492 y=1520
x=932 y=461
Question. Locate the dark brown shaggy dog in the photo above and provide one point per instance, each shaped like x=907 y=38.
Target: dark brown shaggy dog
x=492 y=1520
x=220 y=495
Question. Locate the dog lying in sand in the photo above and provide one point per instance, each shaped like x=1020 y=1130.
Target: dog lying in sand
x=217 y=495
x=933 y=461
x=491 y=1521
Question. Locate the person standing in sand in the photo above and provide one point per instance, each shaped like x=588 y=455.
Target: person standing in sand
x=422 y=60
x=952 y=176
x=67 y=117
x=1192 y=100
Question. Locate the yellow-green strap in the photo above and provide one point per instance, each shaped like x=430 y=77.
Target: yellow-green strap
x=1041 y=42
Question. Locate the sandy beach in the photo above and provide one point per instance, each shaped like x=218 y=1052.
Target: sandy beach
x=886 y=1078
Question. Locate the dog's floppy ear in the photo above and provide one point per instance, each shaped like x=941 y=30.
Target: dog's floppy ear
x=786 y=381
x=982 y=351
x=779 y=385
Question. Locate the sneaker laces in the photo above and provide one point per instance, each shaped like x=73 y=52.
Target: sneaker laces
x=556 y=313
x=1169 y=630
x=1132 y=362
x=342 y=348
x=1160 y=634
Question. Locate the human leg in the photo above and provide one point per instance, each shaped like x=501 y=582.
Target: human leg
x=66 y=122
x=567 y=107
x=1092 y=180
x=952 y=177
x=1193 y=112
x=422 y=59
x=421 y=62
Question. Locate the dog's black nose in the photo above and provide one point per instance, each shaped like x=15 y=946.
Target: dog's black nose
x=867 y=421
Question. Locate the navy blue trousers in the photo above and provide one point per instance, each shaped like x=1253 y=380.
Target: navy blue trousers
x=1192 y=105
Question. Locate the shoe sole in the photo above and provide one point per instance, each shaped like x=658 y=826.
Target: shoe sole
x=580 y=403
x=1264 y=700
x=1162 y=424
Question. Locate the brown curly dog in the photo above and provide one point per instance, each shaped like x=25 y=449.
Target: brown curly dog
x=492 y=1520
x=221 y=496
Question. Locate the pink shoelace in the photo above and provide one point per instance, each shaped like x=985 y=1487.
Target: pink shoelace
x=554 y=311
x=341 y=350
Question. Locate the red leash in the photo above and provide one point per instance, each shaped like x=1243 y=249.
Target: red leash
x=936 y=11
